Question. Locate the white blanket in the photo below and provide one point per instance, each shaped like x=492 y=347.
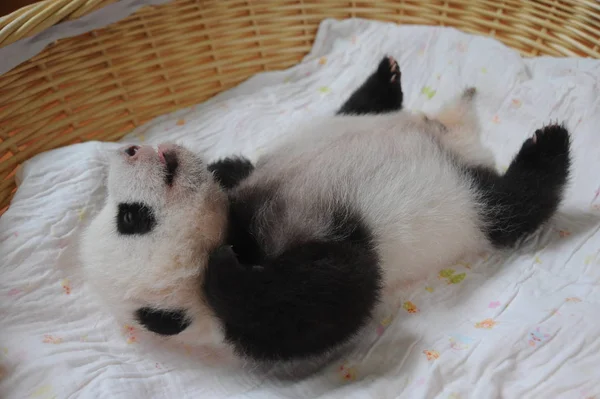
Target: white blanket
x=523 y=324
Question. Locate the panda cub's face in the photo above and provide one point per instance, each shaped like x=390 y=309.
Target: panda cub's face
x=144 y=252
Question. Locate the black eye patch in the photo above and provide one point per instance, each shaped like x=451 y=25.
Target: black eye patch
x=163 y=322
x=135 y=218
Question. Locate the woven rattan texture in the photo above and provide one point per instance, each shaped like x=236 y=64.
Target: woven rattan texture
x=98 y=86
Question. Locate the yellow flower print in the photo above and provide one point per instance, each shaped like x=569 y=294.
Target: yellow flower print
x=486 y=324
x=431 y=354
x=51 y=339
x=347 y=373
x=410 y=307
x=322 y=60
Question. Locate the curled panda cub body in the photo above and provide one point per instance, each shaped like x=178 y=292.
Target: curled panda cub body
x=291 y=255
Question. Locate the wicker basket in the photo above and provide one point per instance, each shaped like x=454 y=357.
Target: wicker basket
x=100 y=85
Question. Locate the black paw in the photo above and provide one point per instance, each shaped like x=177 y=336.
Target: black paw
x=380 y=93
x=547 y=145
x=388 y=70
x=230 y=171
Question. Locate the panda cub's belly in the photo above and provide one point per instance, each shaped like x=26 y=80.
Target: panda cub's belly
x=410 y=193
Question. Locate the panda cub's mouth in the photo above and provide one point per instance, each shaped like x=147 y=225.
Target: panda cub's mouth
x=169 y=159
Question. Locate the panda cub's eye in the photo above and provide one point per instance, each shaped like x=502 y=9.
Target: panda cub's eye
x=128 y=218
x=135 y=218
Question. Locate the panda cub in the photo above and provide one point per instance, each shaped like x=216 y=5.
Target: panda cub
x=287 y=259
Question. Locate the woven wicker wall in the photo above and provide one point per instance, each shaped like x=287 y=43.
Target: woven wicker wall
x=100 y=85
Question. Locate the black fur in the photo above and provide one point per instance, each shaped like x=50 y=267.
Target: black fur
x=172 y=165
x=528 y=194
x=380 y=93
x=135 y=218
x=163 y=322
x=242 y=222
x=230 y=171
x=313 y=297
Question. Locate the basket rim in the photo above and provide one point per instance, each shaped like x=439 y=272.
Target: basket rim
x=35 y=18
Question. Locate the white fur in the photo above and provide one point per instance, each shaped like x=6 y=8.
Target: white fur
x=161 y=268
x=400 y=171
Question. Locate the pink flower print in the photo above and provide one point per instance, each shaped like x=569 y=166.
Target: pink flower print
x=496 y=119
x=494 y=304
x=461 y=47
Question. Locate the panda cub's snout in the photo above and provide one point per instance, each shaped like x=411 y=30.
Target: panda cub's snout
x=166 y=154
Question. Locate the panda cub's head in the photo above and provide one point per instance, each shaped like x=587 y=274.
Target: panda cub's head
x=143 y=254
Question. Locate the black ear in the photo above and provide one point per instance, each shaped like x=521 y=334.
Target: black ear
x=163 y=322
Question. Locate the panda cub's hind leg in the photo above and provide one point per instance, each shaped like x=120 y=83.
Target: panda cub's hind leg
x=461 y=133
x=380 y=93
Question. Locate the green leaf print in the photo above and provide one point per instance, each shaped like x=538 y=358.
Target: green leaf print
x=457 y=278
x=428 y=91
x=446 y=273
